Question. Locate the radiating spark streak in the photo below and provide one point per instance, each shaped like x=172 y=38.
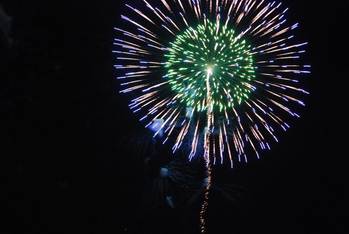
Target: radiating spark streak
x=166 y=121
x=166 y=5
x=282 y=106
x=150 y=40
x=228 y=146
x=260 y=14
x=221 y=144
x=173 y=23
x=135 y=23
x=126 y=53
x=180 y=138
x=163 y=16
x=269 y=28
x=195 y=141
x=148 y=33
x=286 y=48
x=164 y=26
x=160 y=104
x=126 y=58
x=131 y=82
x=181 y=5
x=133 y=36
x=143 y=103
x=144 y=96
x=185 y=21
x=132 y=88
x=271 y=45
x=140 y=13
x=154 y=11
x=155 y=86
x=124 y=42
x=132 y=48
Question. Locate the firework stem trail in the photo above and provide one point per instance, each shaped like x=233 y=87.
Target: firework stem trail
x=209 y=113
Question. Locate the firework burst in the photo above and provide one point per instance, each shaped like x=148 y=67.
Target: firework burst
x=223 y=75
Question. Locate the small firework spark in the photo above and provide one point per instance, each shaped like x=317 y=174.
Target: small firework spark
x=227 y=71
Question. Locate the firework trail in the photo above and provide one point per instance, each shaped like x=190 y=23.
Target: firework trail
x=224 y=75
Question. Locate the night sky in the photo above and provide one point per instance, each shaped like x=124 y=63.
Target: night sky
x=70 y=157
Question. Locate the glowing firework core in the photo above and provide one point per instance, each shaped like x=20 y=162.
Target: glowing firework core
x=215 y=51
x=209 y=70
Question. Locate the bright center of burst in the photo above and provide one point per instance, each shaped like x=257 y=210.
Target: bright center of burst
x=210 y=56
x=209 y=70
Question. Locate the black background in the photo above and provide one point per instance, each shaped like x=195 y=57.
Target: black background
x=65 y=167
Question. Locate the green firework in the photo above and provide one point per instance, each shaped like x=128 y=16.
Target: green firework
x=214 y=48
